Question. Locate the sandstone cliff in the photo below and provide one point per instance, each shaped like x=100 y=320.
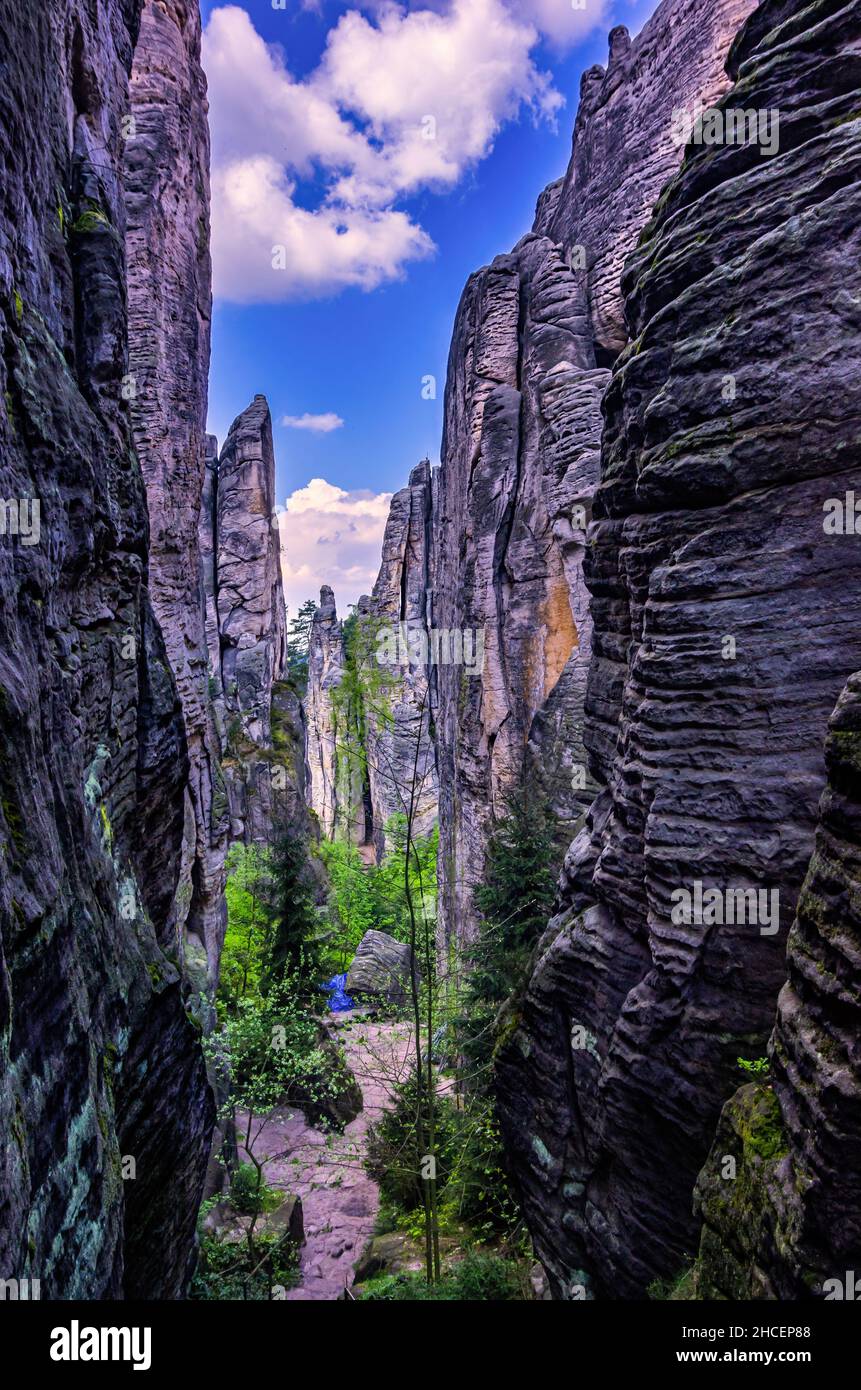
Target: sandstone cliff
x=166 y=176
x=724 y=629
x=784 y=1220
x=249 y=604
x=400 y=754
x=335 y=736
x=99 y=1060
x=534 y=337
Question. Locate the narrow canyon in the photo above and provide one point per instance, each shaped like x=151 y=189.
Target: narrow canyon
x=496 y=936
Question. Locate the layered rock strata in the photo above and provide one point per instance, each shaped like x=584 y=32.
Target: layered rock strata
x=166 y=177
x=105 y=1112
x=336 y=779
x=249 y=606
x=783 y=1220
x=398 y=717
x=724 y=630
x=534 y=337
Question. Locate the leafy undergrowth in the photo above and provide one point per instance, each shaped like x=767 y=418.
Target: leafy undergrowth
x=479 y=1276
x=229 y=1270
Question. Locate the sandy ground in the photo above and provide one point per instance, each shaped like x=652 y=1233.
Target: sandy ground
x=339 y=1200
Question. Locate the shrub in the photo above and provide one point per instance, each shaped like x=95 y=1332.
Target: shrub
x=477 y=1278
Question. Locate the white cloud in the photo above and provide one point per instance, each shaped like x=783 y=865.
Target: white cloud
x=401 y=100
x=558 y=20
x=318 y=424
x=331 y=536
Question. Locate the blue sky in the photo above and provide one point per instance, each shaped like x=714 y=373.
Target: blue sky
x=319 y=136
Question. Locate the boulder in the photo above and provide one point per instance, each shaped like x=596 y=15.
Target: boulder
x=381 y=966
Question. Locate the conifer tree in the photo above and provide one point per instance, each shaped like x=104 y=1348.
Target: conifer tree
x=295 y=945
x=515 y=901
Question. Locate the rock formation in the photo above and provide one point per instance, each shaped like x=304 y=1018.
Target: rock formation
x=370 y=695
x=249 y=604
x=787 y=1222
x=534 y=336
x=401 y=760
x=336 y=775
x=100 y=1063
x=724 y=630
x=166 y=176
x=381 y=966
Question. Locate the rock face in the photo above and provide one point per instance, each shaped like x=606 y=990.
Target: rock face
x=335 y=790
x=99 y=1059
x=166 y=176
x=381 y=966
x=534 y=337
x=401 y=760
x=724 y=630
x=249 y=603
x=519 y=462
x=788 y=1224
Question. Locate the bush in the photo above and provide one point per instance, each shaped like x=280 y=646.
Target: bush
x=225 y=1270
x=250 y=1193
x=477 y=1278
x=394 y=1153
x=472 y=1185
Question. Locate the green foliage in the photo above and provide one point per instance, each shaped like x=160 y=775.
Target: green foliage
x=478 y=1277
x=229 y=1270
x=298 y=636
x=472 y=1186
x=350 y=910
x=367 y=897
x=515 y=900
x=295 y=948
x=388 y=891
x=395 y=1153
x=250 y=1193
x=756 y=1068
x=271 y=1049
x=249 y=923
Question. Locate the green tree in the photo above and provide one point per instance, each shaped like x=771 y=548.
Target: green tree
x=249 y=923
x=351 y=905
x=298 y=639
x=514 y=900
x=296 y=947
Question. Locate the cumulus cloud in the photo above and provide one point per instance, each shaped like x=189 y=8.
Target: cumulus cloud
x=307 y=173
x=318 y=424
x=559 y=21
x=331 y=536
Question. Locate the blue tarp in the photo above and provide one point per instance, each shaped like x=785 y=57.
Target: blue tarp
x=339 y=1001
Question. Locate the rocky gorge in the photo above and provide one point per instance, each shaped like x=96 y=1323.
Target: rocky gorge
x=627 y=595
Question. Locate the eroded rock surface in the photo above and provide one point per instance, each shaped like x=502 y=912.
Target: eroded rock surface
x=535 y=334
x=98 y=1056
x=787 y=1224
x=249 y=601
x=336 y=777
x=166 y=177
x=382 y=967
x=724 y=630
x=401 y=761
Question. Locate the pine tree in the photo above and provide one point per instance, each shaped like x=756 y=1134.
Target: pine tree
x=295 y=945
x=515 y=901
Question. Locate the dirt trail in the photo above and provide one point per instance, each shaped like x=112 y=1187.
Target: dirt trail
x=339 y=1200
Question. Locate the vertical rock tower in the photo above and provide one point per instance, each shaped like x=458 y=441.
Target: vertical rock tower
x=166 y=176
